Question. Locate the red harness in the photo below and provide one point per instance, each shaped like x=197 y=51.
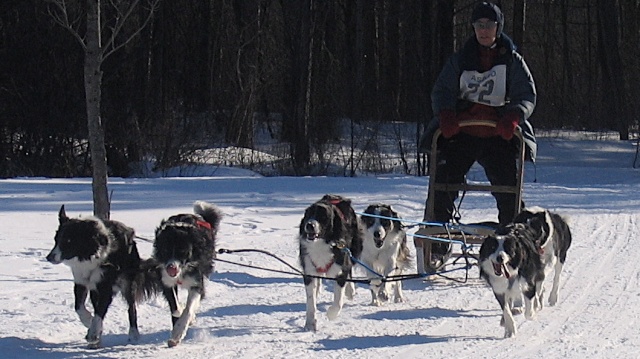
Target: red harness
x=335 y=203
x=324 y=269
x=203 y=224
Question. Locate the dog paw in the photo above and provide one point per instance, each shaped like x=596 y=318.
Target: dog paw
x=538 y=305
x=94 y=345
x=173 y=342
x=134 y=335
x=94 y=333
x=530 y=311
x=518 y=302
x=553 y=299
x=333 y=312
x=509 y=329
x=516 y=311
x=399 y=299
x=310 y=326
x=375 y=302
x=350 y=290
x=384 y=296
x=93 y=339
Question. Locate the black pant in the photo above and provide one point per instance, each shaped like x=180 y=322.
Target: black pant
x=456 y=156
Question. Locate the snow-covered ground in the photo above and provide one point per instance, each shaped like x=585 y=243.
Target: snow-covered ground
x=251 y=313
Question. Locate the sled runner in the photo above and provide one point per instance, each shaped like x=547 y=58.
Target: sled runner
x=465 y=235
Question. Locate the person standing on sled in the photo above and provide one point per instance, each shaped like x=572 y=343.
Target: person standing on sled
x=486 y=80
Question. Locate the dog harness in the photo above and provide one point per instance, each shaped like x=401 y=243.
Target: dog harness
x=335 y=203
x=203 y=224
x=324 y=269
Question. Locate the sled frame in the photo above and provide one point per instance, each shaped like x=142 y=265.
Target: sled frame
x=427 y=235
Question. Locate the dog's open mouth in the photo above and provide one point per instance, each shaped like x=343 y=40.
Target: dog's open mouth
x=172 y=270
x=312 y=236
x=500 y=269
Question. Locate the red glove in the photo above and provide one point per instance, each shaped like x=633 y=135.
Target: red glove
x=448 y=123
x=507 y=124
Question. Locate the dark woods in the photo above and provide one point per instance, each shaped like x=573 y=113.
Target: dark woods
x=205 y=74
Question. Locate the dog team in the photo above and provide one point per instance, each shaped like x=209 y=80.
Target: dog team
x=104 y=260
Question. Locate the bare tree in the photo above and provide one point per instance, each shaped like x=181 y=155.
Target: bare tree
x=611 y=64
x=118 y=13
x=519 y=16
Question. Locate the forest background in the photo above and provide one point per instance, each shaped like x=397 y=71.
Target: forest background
x=209 y=80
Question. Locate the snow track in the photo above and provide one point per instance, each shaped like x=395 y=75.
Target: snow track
x=249 y=313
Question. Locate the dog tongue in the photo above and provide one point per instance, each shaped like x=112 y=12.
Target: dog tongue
x=506 y=272
x=497 y=269
x=172 y=270
x=500 y=269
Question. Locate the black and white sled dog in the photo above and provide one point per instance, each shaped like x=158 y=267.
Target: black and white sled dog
x=510 y=263
x=384 y=251
x=552 y=239
x=184 y=248
x=104 y=259
x=328 y=228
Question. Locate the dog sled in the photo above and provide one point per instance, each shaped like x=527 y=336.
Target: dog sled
x=463 y=239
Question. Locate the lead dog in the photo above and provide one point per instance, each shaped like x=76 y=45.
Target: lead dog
x=184 y=248
x=104 y=260
x=384 y=251
x=552 y=239
x=511 y=265
x=327 y=230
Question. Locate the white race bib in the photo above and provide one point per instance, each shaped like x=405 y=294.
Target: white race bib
x=488 y=88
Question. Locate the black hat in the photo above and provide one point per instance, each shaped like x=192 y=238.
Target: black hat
x=490 y=11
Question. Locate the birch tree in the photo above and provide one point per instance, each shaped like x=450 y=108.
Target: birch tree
x=107 y=27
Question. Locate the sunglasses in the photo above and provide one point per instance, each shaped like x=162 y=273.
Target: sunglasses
x=489 y=25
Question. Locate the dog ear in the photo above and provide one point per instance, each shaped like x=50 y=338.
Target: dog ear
x=516 y=251
x=370 y=209
x=539 y=226
x=62 y=215
x=489 y=245
x=392 y=211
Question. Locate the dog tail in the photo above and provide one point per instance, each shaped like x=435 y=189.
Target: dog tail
x=146 y=282
x=211 y=213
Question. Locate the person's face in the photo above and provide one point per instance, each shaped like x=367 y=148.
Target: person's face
x=486 y=31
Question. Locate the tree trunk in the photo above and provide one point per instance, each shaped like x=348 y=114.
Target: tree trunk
x=519 y=16
x=611 y=63
x=443 y=35
x=301 y=150
x=92 y=83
